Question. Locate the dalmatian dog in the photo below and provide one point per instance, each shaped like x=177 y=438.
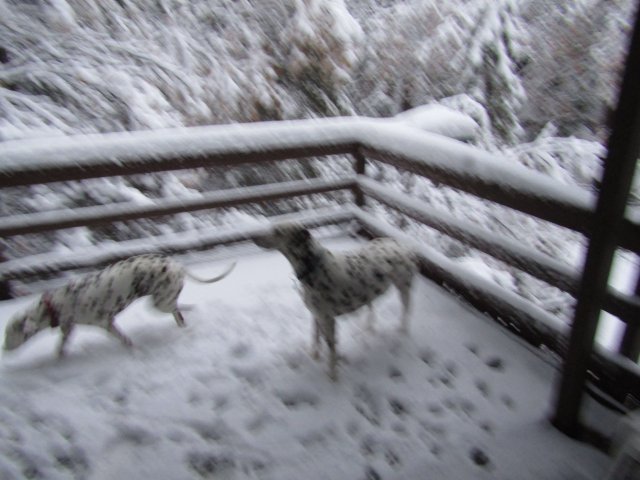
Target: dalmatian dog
x=96 y=298
x=333 y=284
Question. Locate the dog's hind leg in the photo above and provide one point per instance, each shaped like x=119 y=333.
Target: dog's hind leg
x=179 y=318
x=113 y=330
x=328 y=330
x=405 y=297
x=315 y=347
x=66 y=334
x=170 y=305
x=371 y=318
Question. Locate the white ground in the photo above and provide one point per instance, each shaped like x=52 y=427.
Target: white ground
x=236 y=395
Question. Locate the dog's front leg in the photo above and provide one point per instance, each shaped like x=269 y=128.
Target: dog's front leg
x=179 y=318
x=371 y=319
x=113 y=330
x=405 y=296
x=328 y=329
x=66 y=333
x=315 y=347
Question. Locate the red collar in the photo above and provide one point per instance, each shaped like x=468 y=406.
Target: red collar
x=54 y=318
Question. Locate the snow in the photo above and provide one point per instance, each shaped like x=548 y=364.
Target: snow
x=176 y=142
x=624 y=274
x=442 y=120
x=236 y=395
x=219 y=139
x=60 y=15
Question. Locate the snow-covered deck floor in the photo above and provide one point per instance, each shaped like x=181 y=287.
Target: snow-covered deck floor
x=236 y=395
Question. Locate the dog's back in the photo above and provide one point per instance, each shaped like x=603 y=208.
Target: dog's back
x=96 y=297
x=346 y=281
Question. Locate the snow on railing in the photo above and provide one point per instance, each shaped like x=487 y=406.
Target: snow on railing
x=99 y=155
x=434 y=156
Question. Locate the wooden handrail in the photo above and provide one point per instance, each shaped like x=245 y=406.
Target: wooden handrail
x=98 y=256
x=573 y=211
x=126 y=153
x=439 y=158
x=539 y=265
x=100 y=215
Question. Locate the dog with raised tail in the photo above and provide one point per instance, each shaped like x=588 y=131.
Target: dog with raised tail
x=333 y=284
x=96 y=298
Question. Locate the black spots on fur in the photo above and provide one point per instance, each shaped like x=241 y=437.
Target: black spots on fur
x=347 y=294
x=140 y=286
x=165 y=279
x=120 y=302
x=346 y=304
x=302 y=237
x=136 y=286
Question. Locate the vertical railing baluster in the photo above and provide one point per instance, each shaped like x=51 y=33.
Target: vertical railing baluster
x=360 y=166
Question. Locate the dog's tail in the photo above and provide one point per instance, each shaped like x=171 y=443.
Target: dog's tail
x=214 y=279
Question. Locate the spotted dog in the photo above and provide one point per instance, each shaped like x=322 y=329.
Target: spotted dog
x=96 y=298
x=337 y=283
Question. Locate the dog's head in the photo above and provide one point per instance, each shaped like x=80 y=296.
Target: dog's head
x=286 y=237
x=22 y=327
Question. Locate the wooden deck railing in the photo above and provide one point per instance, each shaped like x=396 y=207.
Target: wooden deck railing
x=432 y=156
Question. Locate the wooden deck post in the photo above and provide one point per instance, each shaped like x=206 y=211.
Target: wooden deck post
x=623 y=150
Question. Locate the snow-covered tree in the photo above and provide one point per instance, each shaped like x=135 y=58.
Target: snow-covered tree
x=395 y=73
x=572 y=76
x=491 y=56
x=321 y=42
